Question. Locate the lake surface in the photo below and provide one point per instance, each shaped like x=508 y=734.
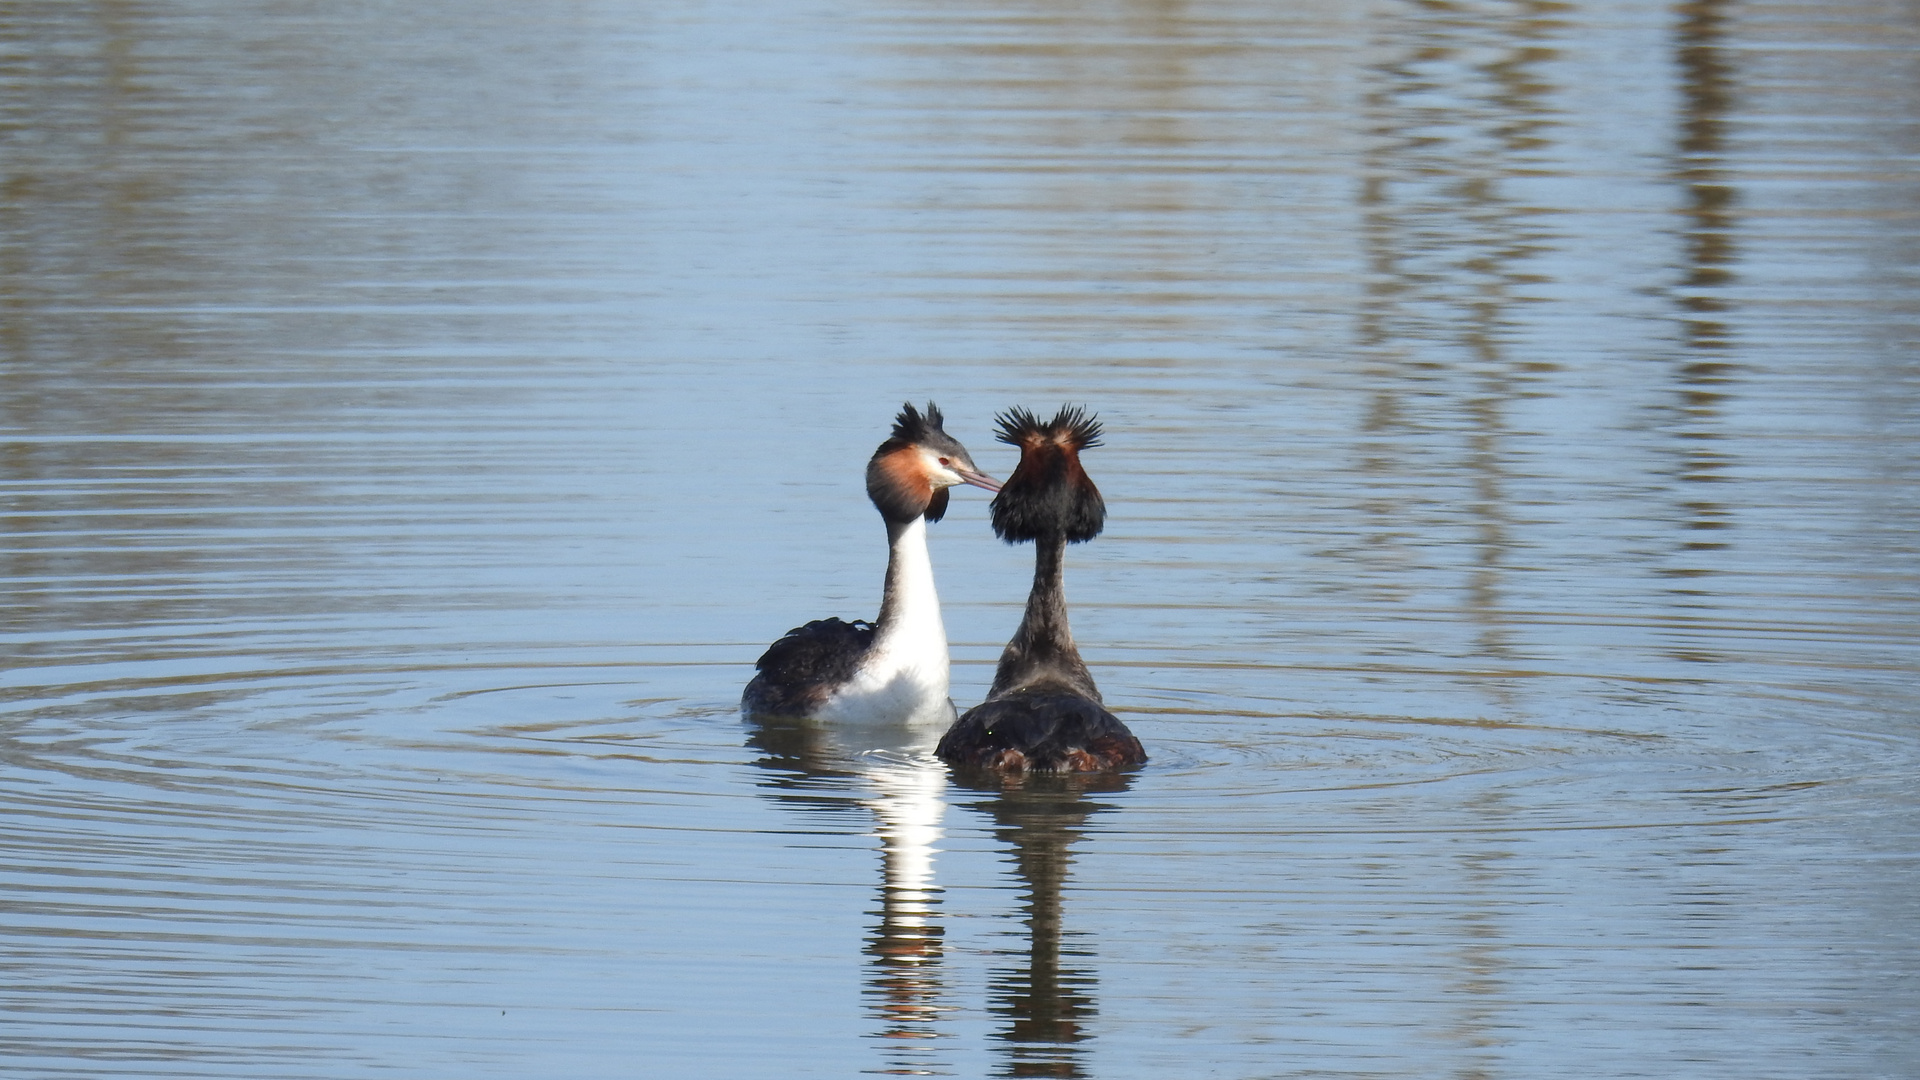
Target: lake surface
x=416 y=418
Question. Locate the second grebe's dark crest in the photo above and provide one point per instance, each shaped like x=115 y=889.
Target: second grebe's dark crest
x=1049 y=494
x=908 y=476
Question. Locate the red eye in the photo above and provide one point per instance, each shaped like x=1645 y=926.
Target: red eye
x=944 y=461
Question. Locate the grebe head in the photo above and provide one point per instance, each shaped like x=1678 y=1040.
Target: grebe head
x=910 y=473
x=1049 y=494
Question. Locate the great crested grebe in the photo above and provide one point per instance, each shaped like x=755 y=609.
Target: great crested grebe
x=895 y=669
x=1044 y=713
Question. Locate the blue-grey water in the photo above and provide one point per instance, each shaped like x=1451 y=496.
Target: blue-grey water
x=416 y=417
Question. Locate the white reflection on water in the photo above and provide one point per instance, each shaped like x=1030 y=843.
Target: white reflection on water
x=414 y=420
x=905 y=987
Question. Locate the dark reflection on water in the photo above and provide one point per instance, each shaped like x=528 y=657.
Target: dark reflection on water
x=1047 y=1004
x=1458 y=106
x=414 y=419
x=1703 y=370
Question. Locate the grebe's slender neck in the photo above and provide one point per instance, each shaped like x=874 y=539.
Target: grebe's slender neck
x=1042 y=650
x=910 y=605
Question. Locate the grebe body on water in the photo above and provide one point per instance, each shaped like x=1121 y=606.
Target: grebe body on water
x=894 y=669
x=1044 y=713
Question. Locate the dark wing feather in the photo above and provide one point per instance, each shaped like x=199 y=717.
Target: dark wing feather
x=798 y=672
x=1040 y=731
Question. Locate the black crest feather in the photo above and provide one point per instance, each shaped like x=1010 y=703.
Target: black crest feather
x=914 y=426
x=1071 y=427
x=1049 y=495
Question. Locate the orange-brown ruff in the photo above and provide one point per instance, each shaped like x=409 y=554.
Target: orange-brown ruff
x=1044 y=713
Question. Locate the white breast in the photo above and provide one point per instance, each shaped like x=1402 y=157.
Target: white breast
x=904 y=677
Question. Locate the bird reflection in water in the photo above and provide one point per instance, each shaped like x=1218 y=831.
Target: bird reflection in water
x=904 y=794
x=904 y=986
x=1046 y=1004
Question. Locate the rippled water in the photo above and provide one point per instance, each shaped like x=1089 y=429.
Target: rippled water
x=414 y=419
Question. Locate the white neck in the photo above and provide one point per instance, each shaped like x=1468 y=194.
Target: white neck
x=910 y=611
x=904 y=677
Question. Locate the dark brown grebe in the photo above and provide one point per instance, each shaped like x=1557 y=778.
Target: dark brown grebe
x=893 y=670
x=1044 y=713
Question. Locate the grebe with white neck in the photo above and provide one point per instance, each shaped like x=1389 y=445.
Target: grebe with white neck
x=895 y=669
x=1044 y=714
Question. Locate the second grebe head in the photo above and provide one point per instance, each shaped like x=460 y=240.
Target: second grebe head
x=1049 y=494
x=908 y=476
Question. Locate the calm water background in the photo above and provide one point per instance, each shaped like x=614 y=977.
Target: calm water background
x=415 y=418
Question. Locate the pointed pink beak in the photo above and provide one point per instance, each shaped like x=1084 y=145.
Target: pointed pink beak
x=977 y=479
